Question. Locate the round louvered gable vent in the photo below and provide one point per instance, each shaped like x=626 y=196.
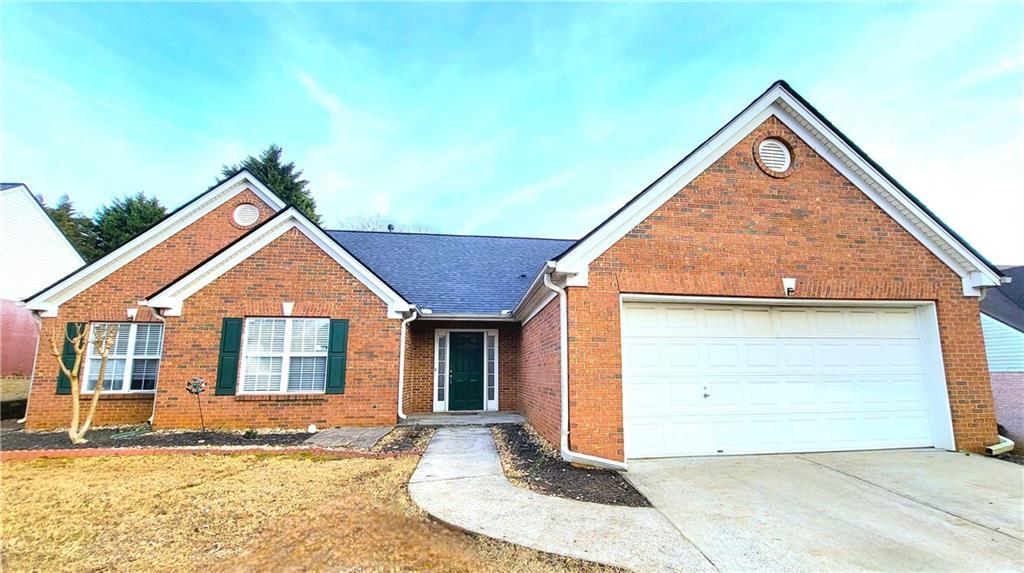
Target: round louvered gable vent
x=775 y=155
x=246 y=214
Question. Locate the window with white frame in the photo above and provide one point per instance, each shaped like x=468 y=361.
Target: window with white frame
x=133 y=362
x=285 y=355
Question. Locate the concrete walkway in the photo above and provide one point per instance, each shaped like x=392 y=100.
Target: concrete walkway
x=459 y=481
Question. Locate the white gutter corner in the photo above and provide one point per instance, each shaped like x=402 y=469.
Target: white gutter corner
x=401 y=360
x=567 y=454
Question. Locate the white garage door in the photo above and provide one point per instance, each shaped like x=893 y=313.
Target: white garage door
x=702 y=379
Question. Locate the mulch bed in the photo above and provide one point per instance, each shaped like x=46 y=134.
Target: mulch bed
x=141 y=437
x=531 y=462
x=1012 y=458
x=405 y=439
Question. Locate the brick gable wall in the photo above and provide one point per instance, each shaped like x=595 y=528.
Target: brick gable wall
x=735 y=231
x=540 y=372
x=419 y=362
x=110 y=298
x=291 y=268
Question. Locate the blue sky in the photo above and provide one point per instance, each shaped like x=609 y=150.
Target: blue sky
x=503 y=119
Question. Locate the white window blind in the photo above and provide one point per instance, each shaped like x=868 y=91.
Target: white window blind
x=285 y=355
x=133 y=363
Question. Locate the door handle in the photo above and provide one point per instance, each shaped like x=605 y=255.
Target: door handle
x=706 y=395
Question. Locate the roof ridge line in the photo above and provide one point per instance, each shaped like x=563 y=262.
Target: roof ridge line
x=423 y=233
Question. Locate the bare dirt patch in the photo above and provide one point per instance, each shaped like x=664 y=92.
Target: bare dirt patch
x=405 y=439
x=530 y=462
x=235 y=513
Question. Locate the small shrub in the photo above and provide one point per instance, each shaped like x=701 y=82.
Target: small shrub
x=251 y=434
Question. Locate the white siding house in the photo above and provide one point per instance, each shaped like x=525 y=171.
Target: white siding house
x=1004 y=346
x=33 y=251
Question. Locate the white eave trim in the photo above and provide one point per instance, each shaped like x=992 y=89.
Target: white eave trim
x=49 y=300
x=172 y=298
x=781 y=103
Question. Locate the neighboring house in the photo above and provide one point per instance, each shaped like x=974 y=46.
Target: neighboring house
x=33 y=253
x=775 y=291
x=1002 y=321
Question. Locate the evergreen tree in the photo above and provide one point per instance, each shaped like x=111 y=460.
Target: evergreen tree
x=282 y=178
x=125 y=219
x=78 y=228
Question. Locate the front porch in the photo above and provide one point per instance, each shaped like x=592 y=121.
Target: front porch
x=462 y=419
x=461 y=366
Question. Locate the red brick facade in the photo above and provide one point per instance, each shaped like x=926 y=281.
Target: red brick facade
x=735 y=231
x=18 y=336
x=291 y=268
x=1008 y=388
x=110 y=298
x=419 y=362
x=540 y=391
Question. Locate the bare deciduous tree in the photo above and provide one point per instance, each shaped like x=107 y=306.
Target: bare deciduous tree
x=379 y=222
x=104 y=337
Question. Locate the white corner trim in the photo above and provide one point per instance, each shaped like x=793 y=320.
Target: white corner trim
x=84 y=278
x=782 y=104
x=174 y=295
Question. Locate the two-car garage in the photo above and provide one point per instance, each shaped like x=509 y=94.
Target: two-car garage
x=713 y=377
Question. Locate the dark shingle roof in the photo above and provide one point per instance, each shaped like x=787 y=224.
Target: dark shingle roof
x=459 y=274
x=6 y=186
x=1006 y=303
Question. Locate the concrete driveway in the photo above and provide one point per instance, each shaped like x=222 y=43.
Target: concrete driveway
x=880 y=510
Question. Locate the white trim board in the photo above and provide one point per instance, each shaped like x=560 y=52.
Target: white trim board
x=781 y=103
x=173 y=296
x=48 y=301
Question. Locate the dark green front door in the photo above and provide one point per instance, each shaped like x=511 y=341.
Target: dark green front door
x=466 y=376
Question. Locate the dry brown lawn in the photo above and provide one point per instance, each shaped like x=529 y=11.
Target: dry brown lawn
x=13 y=389
x=234 y=513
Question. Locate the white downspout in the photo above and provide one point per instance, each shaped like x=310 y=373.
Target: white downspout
x=563 y=326
x=401 y=361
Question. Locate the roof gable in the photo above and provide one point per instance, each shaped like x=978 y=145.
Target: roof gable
x=31 y=241
x=172 y=297
x=807 y=123
x=50 y=298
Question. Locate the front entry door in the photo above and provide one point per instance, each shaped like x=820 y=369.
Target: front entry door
x=466 y=376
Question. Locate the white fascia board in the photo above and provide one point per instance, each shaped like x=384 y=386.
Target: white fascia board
x=173 y=297
x=780 y=103
x=832 y=147
x=47 y=301
x=467 y=316
x=579 y=258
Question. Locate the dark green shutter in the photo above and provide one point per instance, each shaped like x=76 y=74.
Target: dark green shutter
x=68 y=356
x=336 y=350
x=227 y=364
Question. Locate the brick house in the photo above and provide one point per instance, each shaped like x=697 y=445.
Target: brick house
x=774 y=291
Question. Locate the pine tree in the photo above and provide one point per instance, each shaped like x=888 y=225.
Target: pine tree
x=282 y=178
x=79 y=229
x=125 y=219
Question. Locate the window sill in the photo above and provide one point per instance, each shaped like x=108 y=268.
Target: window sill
x=118 y=396
x=281 y=397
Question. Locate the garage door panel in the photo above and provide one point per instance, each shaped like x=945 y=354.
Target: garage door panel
x=707 y=379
